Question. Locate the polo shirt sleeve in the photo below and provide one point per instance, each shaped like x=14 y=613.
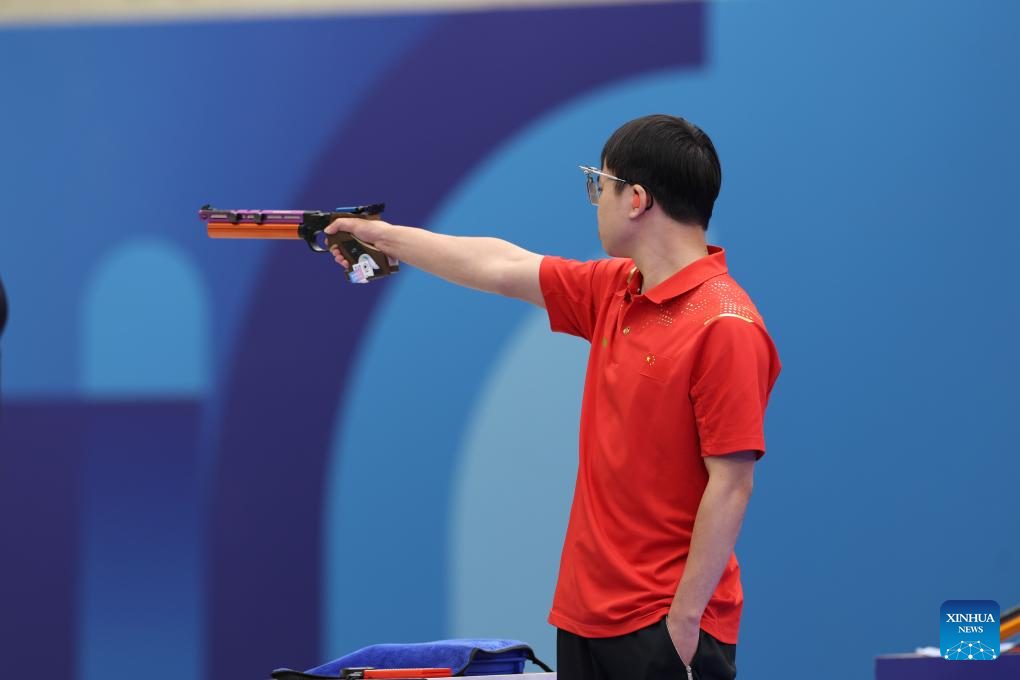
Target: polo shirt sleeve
x=731 y=379
x=573 y=291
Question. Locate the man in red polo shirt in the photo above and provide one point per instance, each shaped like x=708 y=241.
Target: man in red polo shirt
x=679 y=375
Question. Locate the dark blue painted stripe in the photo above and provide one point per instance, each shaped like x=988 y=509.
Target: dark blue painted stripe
x=40 y=476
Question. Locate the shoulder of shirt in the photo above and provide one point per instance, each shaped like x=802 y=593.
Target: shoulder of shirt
x=719 y=298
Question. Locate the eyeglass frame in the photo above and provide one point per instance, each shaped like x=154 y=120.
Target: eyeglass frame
x=595 y=189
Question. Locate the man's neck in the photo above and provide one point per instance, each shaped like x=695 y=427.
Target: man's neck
x=666 y=249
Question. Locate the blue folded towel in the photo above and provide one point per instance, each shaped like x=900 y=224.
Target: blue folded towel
x=456 y=655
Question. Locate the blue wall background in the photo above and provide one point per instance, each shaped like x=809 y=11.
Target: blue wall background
x=218 y=458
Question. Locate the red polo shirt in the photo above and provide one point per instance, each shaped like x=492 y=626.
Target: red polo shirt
x=679 y=372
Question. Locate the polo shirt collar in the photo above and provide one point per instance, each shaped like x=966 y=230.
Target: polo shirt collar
x=688 y=278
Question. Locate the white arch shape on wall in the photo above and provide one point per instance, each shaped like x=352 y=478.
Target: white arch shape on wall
x=145 y=324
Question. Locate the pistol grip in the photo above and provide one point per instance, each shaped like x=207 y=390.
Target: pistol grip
x=358 y=253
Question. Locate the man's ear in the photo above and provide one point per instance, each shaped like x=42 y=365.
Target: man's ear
x=635 y=199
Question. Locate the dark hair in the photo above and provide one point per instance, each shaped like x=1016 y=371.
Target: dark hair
x=673 y=159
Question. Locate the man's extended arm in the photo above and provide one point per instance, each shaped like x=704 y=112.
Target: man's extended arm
x=483 y=263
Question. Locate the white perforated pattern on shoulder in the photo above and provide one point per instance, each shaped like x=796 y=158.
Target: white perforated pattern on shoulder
x=717 y=297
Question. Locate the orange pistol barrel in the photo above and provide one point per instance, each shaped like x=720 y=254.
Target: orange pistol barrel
x=253 y=230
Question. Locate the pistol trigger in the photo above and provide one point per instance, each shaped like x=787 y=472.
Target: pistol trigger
x=311 y=243
x=314 y=244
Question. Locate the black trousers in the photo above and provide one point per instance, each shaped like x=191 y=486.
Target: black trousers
x=645 y=654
